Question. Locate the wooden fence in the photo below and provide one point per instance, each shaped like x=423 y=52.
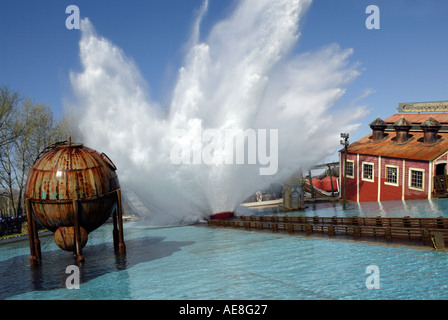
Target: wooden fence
x=419 y=230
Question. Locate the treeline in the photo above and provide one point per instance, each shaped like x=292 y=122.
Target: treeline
x=26 y=128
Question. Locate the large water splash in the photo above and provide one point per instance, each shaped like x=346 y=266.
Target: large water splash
x=242 y=76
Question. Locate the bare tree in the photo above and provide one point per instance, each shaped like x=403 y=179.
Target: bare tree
x=9 y=132
x=26 y=128
x=9 y=102
x=36 y=122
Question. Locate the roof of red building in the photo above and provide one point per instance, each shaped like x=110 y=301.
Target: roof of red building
x=413 y=148
x=418 y=117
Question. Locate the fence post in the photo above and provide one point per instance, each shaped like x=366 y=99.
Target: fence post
x=439 y=222
x=406 y=222
x=356 y=231
x=426 y=238
x=387 y=234
x=331 y=230
x=379 y=221
x=309 y=228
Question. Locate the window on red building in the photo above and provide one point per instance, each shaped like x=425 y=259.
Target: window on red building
x=367 y=171
x=416 y=178
x=350 y=169
x=392 y=175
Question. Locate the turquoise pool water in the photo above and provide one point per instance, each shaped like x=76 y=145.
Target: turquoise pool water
x=200 y=263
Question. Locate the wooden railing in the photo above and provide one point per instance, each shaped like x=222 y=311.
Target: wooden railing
x=420 y=230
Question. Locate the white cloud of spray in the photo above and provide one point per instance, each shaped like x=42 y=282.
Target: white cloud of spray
x=242 y=76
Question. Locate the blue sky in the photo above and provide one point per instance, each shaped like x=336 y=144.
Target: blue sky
x=406 y=60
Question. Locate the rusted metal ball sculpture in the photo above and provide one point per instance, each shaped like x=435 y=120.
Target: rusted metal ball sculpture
x=72 y=190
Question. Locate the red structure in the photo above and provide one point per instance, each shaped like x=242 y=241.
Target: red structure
x=329 y=184
x=317 y=183
x=405 y=157
x=222 y=215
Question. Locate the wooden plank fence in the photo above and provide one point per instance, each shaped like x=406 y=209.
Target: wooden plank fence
x=406 y=228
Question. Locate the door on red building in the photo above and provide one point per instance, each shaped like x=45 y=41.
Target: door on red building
x=440 y=169
x=440 y=179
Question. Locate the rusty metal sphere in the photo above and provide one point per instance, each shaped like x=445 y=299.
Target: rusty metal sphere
x=65 y=172
x=64 y=237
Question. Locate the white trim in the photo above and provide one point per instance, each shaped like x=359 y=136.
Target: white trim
x=373 y=171
x=357 y=177
x=430 y=180
x=398 y=175
x=379 y=178
x=438 y=161
x=403 y=185
x=410 y=179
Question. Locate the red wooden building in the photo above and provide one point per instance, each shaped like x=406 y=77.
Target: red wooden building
x=405 y=157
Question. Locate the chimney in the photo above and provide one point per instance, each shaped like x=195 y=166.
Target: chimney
x=430 y=129
x=402 y=128
x=378 y=127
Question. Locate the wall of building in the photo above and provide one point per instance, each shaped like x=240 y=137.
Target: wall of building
x=391 y=191
x=351 y=185
x=379 y=189
x=368 y=190
x=443 y=159
x=411 y=193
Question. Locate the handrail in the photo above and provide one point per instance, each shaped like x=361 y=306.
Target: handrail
x=390 y=228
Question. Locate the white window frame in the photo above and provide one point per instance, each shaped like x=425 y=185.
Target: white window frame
x=373 y=172
x=353 y=164
x=398 y=175
x=410 y=179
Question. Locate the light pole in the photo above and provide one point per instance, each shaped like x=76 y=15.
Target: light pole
x=345 y=143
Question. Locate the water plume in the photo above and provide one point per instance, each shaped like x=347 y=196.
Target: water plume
x=242 y=76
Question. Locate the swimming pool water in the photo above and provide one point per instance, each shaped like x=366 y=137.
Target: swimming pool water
x=202 y=263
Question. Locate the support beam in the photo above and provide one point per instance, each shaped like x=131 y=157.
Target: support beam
x=35 y=257
x=331 y=180
x=76 y=220
x=311 y=183
x=115 y=229
x=121 y=244
x=36 y=241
